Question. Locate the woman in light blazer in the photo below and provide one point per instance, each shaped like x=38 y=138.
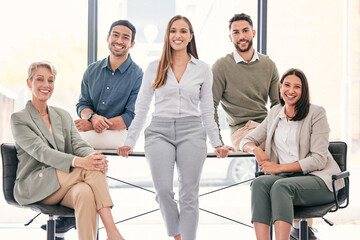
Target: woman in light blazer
x=296 y=162
x=55 y=164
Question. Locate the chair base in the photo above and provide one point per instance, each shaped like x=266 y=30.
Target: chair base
x=303 y=233
x=50 y=228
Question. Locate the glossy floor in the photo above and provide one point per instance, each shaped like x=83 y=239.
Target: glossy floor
x=157 y=232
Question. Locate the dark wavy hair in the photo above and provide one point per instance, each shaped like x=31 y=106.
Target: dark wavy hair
x=303 y=105
x=238 y=17
x=127 y=24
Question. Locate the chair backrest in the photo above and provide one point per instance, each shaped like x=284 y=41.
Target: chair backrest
x=338 y=150
x=9 y=166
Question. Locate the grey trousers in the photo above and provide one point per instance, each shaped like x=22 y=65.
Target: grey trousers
x=273 y=196
x=181 y=141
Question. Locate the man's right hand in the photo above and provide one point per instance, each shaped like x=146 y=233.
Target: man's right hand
x=83 y=125
x=100 y=123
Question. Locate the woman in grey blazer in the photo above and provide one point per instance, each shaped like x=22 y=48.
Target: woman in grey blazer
x=296 y=160
x=55 y=164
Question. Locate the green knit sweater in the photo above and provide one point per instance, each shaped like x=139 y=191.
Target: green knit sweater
x=243 y=89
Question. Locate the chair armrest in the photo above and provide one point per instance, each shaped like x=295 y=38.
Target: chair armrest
x=340 y=175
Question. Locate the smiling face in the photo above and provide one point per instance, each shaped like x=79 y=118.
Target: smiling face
x=119 y=41
x=291 y=90
x=242 y=34
x=179 y=35
x=41 y=84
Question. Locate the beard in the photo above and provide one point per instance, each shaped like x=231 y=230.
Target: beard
x=246 y=49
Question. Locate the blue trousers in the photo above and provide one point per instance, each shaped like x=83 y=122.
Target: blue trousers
x=180 y=142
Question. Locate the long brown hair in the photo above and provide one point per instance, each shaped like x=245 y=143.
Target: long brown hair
x=166 y=56
x=303 y=104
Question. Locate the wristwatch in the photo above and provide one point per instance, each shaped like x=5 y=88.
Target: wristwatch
x=90 y=116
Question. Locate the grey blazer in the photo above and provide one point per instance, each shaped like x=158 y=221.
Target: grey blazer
x=40 y=153
x=312 y=138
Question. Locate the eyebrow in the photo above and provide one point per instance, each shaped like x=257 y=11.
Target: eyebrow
x=180 y=28
x=245 y=28
x=40 y=75
x=125 y=34
x=296 y=84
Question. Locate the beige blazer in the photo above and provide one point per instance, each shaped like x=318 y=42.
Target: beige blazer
x=40 y=153
x=312 y=138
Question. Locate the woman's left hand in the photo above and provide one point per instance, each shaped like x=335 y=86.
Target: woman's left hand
x=223 y=151
x=102 y=164
x=268 y=167
x=95 y=162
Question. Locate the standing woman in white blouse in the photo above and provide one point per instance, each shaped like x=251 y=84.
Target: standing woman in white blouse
x=296 y=162
x=183 y=115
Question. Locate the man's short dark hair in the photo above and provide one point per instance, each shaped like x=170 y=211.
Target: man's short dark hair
x=238 y=17
x=127 y=24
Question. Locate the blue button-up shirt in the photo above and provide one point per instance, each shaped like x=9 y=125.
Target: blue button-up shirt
x=111 y=93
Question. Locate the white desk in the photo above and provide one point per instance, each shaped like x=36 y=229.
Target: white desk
x=142 y=154
x=238 y=154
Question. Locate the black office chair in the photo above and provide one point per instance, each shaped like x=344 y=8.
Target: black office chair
x=339 y=151
x=10 y=163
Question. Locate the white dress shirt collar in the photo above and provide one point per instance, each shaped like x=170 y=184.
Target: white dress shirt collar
x=193 y=59
x=238 y=58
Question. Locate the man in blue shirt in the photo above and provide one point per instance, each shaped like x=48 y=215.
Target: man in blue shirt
x=108 y=91
x=106 y=104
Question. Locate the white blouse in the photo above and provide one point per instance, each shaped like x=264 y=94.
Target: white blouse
x=192 y=96
x=285 y=139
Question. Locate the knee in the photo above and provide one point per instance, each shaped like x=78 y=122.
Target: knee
x=189 y=201
x=258 y=184
x=85 y=195
x=280 y=187
x=96 y=176
x=189 y=196
x=164 y=193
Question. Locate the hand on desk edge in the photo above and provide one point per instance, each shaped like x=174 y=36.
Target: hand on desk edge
x=223 y=151
x=124 y=151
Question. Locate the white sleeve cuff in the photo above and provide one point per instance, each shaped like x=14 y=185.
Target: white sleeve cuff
x=73 y=162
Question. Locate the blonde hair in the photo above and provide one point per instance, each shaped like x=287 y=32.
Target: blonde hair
x=166 y=56
x=35 y=65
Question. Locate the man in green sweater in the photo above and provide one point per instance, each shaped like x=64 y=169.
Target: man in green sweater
x=243 y=82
